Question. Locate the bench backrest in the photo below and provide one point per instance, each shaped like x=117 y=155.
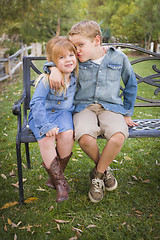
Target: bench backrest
x=151 y=80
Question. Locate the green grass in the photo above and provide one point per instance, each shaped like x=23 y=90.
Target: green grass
x=132 y=211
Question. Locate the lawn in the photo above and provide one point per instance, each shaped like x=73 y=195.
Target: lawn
x=132 y=211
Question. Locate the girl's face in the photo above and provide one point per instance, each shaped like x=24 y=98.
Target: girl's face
x=67 y=62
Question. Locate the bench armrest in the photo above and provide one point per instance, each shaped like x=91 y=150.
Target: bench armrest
x=16 y=109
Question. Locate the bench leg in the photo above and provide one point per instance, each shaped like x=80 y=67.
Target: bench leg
x=27 y=155
x=19 y=165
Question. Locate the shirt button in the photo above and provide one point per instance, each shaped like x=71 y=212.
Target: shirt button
x=59 y=103
x=53 y=110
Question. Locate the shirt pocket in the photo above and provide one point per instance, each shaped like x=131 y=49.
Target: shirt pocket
x=85 y=72
x=114 y=72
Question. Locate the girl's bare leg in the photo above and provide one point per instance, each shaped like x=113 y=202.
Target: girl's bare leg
x=47 y=149
x=65 y=143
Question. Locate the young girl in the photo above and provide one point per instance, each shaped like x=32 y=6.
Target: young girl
x=50 y=116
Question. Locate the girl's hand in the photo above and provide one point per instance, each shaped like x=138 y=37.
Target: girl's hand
x=55 y=78
x=130 y=122
x=53 y=132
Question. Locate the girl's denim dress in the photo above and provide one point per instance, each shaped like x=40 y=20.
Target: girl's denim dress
x=49 y=109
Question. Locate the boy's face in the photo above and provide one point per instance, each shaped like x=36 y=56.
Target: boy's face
x=85 y=47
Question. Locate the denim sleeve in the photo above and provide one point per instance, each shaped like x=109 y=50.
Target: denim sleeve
x=38 y=109
x=130 y=90
x=47 y=65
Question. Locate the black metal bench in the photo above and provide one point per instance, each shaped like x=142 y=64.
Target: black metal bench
x=145 y=128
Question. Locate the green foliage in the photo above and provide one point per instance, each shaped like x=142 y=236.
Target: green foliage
x=132 y=21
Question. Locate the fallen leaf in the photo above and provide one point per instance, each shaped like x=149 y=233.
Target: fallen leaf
x=15 y=237
x=146 y=181
x=51 y=208
x=115 y=161
x=89 y=226
x=134 y=177
x=41 y=189
x=58 y=227
x=10 y=204
x=73 y=238
x=3 y=176
x=48 y=232
x=76 y=229
x=60 y=221
x=75 y=160
x=138 y=212
x=28 y=229
x=15 y=185
x=127 y=158
x=30 y=226
x=12 y=174
x=9 y=221
x=31 y=199
x=24 y=165
x=141 y=150
x=16 y=225
x=5 y=227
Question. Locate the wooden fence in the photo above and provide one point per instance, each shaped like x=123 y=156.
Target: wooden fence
x=9 y=62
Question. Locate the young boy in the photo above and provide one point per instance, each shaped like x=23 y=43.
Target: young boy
x=98 y=108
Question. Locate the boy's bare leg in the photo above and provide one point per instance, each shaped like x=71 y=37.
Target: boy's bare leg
x=110 y=151
x=90 y=147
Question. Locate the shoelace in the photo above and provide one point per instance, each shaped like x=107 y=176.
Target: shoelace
x=98 y=184
x=108 y=174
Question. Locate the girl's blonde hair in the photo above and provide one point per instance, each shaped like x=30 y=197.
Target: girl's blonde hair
x=89 y=29
x=55 y=48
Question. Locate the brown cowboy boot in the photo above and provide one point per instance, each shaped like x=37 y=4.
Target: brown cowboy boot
x=58 y=180
x=62 y=163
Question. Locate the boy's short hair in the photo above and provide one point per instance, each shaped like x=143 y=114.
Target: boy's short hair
x=89 y=29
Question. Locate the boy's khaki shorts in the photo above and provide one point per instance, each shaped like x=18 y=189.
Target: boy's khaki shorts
x=95 y=120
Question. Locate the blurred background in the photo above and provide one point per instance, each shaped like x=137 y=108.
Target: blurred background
x=127 y=21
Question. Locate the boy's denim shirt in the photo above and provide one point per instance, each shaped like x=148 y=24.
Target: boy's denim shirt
x=101 y=83
x=45 y=103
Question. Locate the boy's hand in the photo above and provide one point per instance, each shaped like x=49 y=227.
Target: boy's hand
x=55 y=78
x=53 y=132
x=130 y=122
